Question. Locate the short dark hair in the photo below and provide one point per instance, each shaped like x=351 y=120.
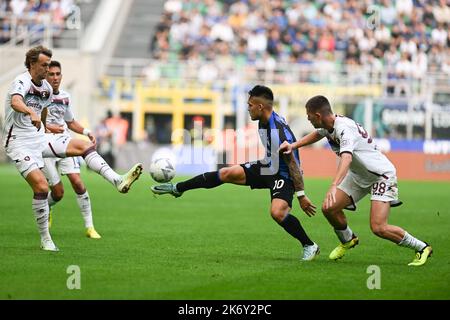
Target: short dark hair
x=32 y=55
x=319 y=104
x=261 y=91
x=55 y=63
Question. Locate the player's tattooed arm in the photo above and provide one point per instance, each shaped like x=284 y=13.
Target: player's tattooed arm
x=295 y=172
x=307 y=206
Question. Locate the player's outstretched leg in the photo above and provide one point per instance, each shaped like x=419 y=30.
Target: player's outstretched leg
x=207 y=180
x=96 y=163
x=129 y=178
x=122 y=182
x=166 y=188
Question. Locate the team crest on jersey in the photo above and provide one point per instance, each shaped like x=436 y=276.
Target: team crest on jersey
x=45 y=94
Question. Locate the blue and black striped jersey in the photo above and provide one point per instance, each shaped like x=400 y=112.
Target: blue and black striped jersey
x=272 y=135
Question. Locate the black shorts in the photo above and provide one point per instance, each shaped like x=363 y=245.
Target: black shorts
x=279 y=186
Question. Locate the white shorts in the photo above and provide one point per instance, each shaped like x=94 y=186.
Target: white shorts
x=56 y=145
x=383 y=189
x=28 y=155
x=55 y=166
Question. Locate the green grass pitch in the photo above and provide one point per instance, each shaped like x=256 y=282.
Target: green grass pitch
x=213 y=244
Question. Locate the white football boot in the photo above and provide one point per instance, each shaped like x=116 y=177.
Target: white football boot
x=310 y=252
x=48 y=245
x=129 y=178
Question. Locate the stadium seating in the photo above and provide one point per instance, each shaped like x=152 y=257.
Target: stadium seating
x=342 y=36
x=28 y=22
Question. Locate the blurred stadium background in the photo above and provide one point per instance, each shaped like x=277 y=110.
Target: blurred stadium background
x=167 y=65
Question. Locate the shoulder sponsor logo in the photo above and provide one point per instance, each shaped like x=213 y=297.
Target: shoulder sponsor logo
x=344 y=142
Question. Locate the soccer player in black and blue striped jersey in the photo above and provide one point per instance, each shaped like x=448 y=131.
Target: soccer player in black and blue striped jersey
x=280 y=173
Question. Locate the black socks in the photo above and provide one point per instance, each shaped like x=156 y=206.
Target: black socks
x=292 y=225
x=206 y=180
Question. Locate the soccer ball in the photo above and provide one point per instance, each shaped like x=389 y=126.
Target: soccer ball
x=162 y=170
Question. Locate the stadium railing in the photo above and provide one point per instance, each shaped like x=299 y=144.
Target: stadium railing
x=343 y=84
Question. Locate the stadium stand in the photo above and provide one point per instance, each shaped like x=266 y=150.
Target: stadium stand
x=20 y=19
x=324 y=37
x=133 y=41
x=135 y=34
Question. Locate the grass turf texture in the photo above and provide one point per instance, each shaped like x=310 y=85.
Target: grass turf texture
x=213 y=244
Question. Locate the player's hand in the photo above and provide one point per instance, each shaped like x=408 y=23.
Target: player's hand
x=35 y=120
x=307 y=206
x=92 y=138
x=330 y=197
x=285 y=147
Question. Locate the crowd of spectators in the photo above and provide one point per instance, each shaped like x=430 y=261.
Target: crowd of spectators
x=404 y=38
x=19 y=17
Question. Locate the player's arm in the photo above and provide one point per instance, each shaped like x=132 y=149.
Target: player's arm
x=54 y=128
x=44 y=118
x=75 y=126
x=310 y=138
x=19 y=105
x=343 y=167
x=50 y=127
x=307 y=206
